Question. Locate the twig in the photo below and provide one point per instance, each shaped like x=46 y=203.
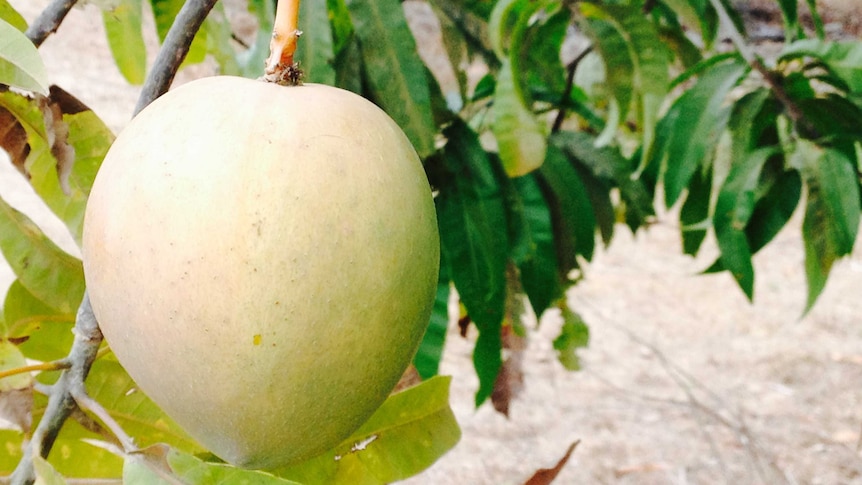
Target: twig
x=87 y=403
x=61 y=404
x=174 y=50
x=567 y=93
x=773 y=81
x=45 y=366
x=49 y=21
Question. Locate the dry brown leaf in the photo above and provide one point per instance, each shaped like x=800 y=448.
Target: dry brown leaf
x=410 y=378
x=13 y=139
x=16 y=407
x=510 y=380
x=545 y=476
x=13 y=136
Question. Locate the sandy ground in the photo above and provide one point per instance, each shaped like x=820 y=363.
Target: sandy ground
x=684 y=380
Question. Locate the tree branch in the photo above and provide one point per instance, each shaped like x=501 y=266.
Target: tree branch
x=570 y=83
x=174 y=50
x=49 y=20
x=61 y=404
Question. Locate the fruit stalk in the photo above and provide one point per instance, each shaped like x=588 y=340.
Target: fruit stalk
x=280 y=67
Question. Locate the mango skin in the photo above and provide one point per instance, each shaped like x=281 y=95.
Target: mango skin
x=263 y=262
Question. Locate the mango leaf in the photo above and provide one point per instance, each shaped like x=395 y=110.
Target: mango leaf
x=20 y=63
x=126 y=40
x=164 y=12
x=540 y=52
x=54 y=277
x=735 y=205
x=648 y=59
x=689 y=131
x=790 y=13
x=62 y=183
x=45 y=473
x=571 y=212
x=160 y=465
x=427 y=360
x=47 y=333
x=520 y=138
x=406 y=435
x=110 y=385
x=395 y=73
x=613 y=49
x=471 y=214
x=219 y=37
x=831 y=215
x=10 y=15
x=314 y=50
x=698 y=14
x=574 y=335
x=843 y=58
x=608 y=164
x=695 y=211
x=251 y=60
x=538 y=265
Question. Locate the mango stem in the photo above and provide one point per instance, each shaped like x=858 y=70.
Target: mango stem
x=280 y=67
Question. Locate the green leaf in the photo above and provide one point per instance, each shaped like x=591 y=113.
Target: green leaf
x=54 y=277
x=219 y=41
x=573 y=336
x=395 y=73
x=540 y=52
x=697 y=14
x=538 y=266
x=427 y=360
x=471 y=214
x=314 y=49
x=842 y=58
x=647 y=58
x=48 y=333
x=791 y=16
x=571 y=212
x=165 y=11
x=126 y=39
x=20 y=63
x=159 y=465
x=695 y=210
x=831 y=215
x=10 y=15
x=110 y=385
x=12 y=358
x=689 y=131
x=520 y=138
x=735 y=205
x=607 y=163
x=252 y=60
x=407 y=434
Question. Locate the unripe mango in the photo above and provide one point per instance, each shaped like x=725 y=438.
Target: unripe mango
x=263 y=261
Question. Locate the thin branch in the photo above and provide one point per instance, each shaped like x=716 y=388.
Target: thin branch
x=771 y=79
x=49 y=21
x=174 y=50
x=45 y=366
x=61 y=404
x=87 y=403
x=570 y=83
